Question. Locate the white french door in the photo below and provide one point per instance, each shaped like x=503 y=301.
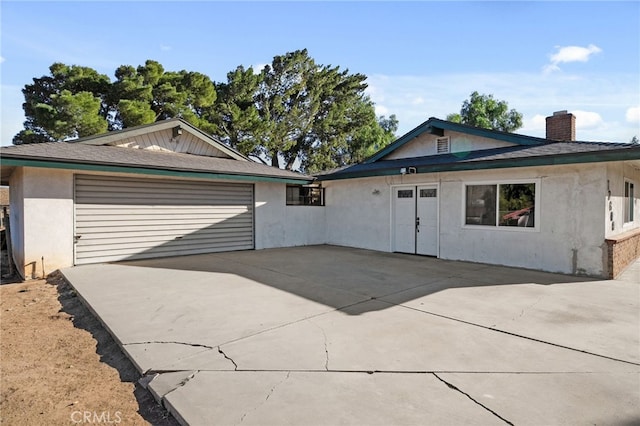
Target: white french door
x=415 y=219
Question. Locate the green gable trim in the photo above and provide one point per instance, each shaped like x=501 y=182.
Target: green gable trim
x=580 y=158
x=145 y=171
x=433 y=125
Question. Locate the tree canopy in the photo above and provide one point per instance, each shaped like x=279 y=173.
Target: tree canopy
x=294 y=113
x=486 y=112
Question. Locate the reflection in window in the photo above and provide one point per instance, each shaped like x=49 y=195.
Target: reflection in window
x=628 y=201
x=517 y=205
x=501 y=205
x=481 y=205
x=298 y=195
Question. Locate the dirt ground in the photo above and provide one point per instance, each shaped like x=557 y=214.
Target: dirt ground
x=59 y=366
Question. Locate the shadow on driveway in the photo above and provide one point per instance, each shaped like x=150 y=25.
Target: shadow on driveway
x=339 y=277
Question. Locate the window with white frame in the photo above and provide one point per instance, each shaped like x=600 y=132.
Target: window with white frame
x=501 y=204
x=629 y=200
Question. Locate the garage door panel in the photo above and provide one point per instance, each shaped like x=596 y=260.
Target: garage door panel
x=91 y=209
x=159 y=219
x=121 y=218
x=179 y=229
x=143 y=238
x=96 y=183
x=177 y=200
x=141 y=246
x=178 y=252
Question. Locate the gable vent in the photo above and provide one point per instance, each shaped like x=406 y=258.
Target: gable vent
x=442 y=145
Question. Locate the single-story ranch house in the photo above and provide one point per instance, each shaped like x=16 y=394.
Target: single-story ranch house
x=444 y=189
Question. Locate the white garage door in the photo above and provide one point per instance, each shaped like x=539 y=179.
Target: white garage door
x=122 y=218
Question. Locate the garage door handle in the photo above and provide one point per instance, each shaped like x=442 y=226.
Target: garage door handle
x=178 y=238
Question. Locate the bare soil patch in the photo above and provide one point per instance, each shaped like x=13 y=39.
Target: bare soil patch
x=59 y=366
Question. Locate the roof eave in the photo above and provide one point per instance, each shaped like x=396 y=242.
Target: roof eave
x=157 y=171
x=547 y=160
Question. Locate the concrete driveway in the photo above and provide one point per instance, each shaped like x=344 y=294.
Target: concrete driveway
x=327 y=335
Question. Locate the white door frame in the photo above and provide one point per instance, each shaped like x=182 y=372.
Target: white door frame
x=392 y=215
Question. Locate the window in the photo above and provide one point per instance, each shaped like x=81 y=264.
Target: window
x=504 y=205
x=628 y=201
x=428 y=193
x=298 y=195
x=405 y=193
x=442 y=145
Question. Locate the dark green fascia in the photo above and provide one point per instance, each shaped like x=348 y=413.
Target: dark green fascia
x=434 y=125
x=495 y=164
x=145 y=171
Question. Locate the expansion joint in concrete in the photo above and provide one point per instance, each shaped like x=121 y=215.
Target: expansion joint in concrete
x=452 y=387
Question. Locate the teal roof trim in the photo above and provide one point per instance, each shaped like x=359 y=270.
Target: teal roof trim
x=578 y=158
x=431 y=124
x=147 y=171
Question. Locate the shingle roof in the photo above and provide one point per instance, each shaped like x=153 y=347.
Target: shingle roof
x=513 y=156
x=436 y=126
x=81 y=154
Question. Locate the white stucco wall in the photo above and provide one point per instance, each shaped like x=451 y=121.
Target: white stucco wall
x=358 y=212
x=16 y=214
x=569 y=237
x=614 y=206
x=279 y=225
x=425 y=144
x=43 y=224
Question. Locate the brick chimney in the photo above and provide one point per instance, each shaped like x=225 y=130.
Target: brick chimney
x=561 y=126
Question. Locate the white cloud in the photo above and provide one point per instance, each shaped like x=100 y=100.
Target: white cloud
x=566 y=54
x=537 y=124
x=381 y=110
x=633 y=114
x=598 y=101
x=587 y=119
x=1 y=59
x=165 y=47
x=257 y=68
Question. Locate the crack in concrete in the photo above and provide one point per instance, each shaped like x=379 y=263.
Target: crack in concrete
x=273 y=388
x=266 y=330
x=181 y=384
x=195 y=345
x=235 y=366
x=452 y=387
x=326 y=348
x=529 y=307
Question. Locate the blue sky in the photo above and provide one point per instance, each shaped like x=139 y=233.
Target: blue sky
x=422 y=59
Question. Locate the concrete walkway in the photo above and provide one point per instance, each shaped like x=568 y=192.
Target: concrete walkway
x=327 y=335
